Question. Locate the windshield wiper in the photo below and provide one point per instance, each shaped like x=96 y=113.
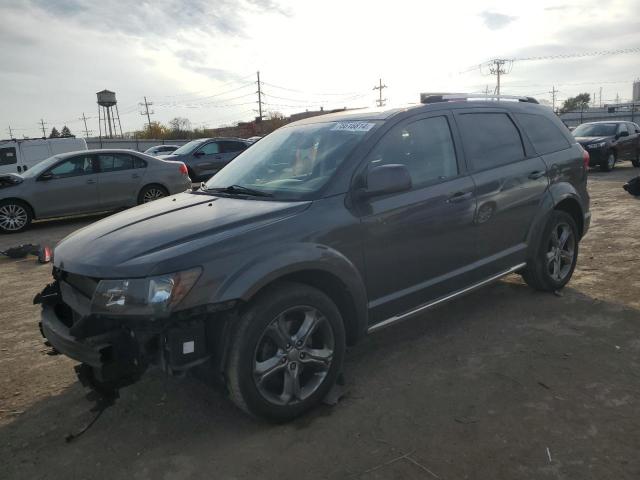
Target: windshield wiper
x=239 y=190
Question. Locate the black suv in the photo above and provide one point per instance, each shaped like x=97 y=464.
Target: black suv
x=323 y=231
x=608 y=142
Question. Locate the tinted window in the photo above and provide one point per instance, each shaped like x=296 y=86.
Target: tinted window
x=595 y=130
x=113 y=162
x=229 y=147
x=490 y=139
x=8 y=156
x=210 y=148
x=543 y=133
x=424 y=146
x=72 y=167
x=139 y=163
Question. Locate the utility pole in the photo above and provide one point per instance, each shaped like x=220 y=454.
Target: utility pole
x=497 y=69
x=600 y=97
x=259 y=92
x=617 y=98
x=553 y=97
x=86 y=130
x=44 y=133
x=146 y=111
x=10 y=133
x=486 y=91
x=380 y=101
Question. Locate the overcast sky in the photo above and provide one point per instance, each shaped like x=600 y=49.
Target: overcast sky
x=197 y=58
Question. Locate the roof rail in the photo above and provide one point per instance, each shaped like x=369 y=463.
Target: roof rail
x=457 y=97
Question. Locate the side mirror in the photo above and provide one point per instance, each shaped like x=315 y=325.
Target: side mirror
x=46 y=176
x=198 y=154
x=624 y=133
x=385 y=179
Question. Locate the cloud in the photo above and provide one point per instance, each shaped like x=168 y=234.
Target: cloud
x=496 y=21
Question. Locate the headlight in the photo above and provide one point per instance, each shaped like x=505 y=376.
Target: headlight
x=155 y=296
x=597 y=145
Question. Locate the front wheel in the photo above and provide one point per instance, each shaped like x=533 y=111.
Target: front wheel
x=151 y=193
x=286 y=352
x=554 y=259
x=610 y=162
x=15 y=216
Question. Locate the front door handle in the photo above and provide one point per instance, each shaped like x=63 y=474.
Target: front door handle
x=135 y=175
x=91 y=182
x=537 y=174
x=459 y=197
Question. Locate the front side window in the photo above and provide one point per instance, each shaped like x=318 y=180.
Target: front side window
x=545 y=136
x=8 y=156
x=490 y=139
x=210 y=148
x=72 y=167
x=425 y=147
x=294 y=162
x=112 y=162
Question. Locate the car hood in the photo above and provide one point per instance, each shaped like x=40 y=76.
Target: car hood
x=161 y=236
x=587 y=140
x=10 y=180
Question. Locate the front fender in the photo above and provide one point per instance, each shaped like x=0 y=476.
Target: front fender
x=289 y=259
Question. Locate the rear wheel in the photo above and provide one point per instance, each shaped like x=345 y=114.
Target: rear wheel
x=15 y=216
x=609 y=163
x=554 y=260
x=151 y=193
x=286 y=352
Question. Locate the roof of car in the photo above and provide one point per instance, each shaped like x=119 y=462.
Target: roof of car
x=607 y=121
x=100 y=150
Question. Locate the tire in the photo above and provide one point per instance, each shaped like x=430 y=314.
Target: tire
x=636 y=161
x=15 y=216
x=610 y=163
x=151 y=192
x=269 y=338
x=551 y=268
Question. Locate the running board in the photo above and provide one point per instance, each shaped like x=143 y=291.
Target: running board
x=397 y=318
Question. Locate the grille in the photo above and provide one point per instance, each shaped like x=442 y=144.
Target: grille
x=85 y=285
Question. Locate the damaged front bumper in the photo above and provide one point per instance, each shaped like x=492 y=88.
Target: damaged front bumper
x=118 y=350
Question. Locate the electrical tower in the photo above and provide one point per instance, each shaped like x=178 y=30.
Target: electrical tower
x=380 y=101
x=44 y=132
x=259 y=92
x=146 y=111
x=499 y=67
x=553 y=97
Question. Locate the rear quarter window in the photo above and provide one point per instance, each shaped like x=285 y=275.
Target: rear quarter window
x=490 y=139
x=545 y=136
x=8 y=156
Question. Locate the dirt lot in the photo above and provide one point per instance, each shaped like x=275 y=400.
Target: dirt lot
x=505 y=383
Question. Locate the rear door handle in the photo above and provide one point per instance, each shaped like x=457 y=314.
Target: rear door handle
x=91 y=182
x=536 y=175
x=459 y=197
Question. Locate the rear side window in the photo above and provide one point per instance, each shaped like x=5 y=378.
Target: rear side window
x=490 y=139
x=139 y=163
x=113 y=162
x=230 y=147
x=545 y=136
x=425 y=147
x=622 y=128
x=8 y=156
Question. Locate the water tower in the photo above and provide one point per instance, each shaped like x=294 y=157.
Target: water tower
x=106 y=115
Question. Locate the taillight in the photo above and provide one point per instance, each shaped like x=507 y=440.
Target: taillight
x=585 y=159
x=183 y=169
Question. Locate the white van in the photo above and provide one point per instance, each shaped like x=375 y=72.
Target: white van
x=16 y=156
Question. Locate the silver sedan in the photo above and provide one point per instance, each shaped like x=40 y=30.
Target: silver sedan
x=86 y=182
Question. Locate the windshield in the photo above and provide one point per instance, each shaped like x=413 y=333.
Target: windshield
x=293 y=162
x=187 y=147
x=40 y=167
x=595 y=130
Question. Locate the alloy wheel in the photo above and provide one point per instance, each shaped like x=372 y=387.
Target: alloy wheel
x=152 y=194
x=611 y=161
x=561 y=252
x=13 y=217
x=293 y=356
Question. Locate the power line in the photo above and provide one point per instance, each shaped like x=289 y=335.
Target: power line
x=309 y=93
x=599 y=53
x=380 y=101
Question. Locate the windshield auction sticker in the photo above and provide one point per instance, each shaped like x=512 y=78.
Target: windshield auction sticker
x=353 y=126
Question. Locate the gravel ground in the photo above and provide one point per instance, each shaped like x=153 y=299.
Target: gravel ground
x=504 y=383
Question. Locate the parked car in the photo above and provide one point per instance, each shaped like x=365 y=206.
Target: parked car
x=161 y=150
x=324 y=230
x=84 y=182
x=206 y=156
x=17 y=156
x=610 y=142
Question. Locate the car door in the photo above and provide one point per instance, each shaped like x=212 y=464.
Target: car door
x=118 y=180
x=68 y=188
x=634 y=141
x=624 y=142
x=208 y=159
x=418 y=244
x=510 y=183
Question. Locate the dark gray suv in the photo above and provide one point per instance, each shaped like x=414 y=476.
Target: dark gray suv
x=325 y=230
